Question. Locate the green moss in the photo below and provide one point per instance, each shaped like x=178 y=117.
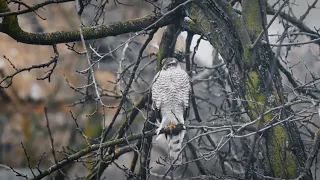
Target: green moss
x=218 y=46
x=281 y=157
x=3 y=6
x=229 y=8
x=281 y=162
x=87 y=31
x=251 y=92
x=291 y=165
x=204 y=25
x=252 y=18
x=277 y=151
x=237 y=23
x=11 y=22
x=246 y=55
x=159 y=58
x=255 y=97
x=194 y=12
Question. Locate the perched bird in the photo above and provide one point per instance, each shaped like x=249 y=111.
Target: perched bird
x=170 y=99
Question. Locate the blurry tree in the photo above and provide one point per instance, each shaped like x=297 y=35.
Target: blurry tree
x=260 y=122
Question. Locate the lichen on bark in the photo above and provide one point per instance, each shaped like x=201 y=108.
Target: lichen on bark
x=254 y=68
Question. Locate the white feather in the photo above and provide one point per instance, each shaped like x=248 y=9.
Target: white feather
x=170 y=94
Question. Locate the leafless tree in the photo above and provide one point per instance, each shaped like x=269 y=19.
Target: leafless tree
x=251 y=117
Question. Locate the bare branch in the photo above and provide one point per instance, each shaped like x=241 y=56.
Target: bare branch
x=34 y=7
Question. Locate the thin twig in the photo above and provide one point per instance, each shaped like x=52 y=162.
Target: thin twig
x=312 y=156
x=28 y=159
x=269 y=24
x=89 y=149
x=50 y=135
x=33 y=8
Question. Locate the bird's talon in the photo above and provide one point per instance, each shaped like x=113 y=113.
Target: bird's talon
x=171 y=127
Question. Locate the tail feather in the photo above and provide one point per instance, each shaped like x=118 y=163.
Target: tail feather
x=175 y=145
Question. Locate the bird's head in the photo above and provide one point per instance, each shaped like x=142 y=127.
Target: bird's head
x=169 y=62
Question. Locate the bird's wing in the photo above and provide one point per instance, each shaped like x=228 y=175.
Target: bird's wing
x=156 y=91
x=186 y=89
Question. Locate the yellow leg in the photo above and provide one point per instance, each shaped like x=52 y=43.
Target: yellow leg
x=171 y=126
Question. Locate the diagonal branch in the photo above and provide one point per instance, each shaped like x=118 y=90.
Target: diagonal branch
x=34 y=7
x=269 y=24
x=11 y=27
x=296 y=22
x=311 y=157
x=95 y=147
x=54 y=61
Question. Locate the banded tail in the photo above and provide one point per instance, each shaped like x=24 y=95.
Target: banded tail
x=175 y=147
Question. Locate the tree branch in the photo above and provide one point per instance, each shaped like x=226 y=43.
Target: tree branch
x=95 y=147
x=312 y=155
x=11 y=27
x=34 y=7
x=296 y=22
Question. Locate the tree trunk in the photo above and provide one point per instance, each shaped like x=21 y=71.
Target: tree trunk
x=256 y=79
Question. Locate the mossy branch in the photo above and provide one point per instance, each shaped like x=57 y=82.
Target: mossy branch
x=167 y=44
x=11 y=27
x=251 y=16
x=261 y=83
x=110 y=143
x=250 y=80
x=217 y=26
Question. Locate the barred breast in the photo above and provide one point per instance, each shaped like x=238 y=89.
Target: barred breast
x=171 y=91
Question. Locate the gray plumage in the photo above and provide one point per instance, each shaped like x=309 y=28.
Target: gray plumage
x=170 y=95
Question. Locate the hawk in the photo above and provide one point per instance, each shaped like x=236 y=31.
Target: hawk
x=170 y=99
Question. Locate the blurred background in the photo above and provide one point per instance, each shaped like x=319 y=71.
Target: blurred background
x=22 y=115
